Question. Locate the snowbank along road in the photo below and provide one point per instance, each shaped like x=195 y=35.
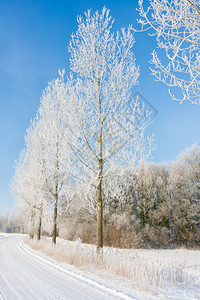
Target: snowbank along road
x=26 y=276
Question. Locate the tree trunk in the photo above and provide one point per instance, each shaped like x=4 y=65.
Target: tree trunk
x=100 y=174
x=40 y=222
x=54 y=233
x=32 y=225
x=99 y=211
x=171 y=236
x=55 y=220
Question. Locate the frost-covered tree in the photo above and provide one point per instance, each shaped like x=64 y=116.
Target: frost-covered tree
x=176 y=25
x=107 y=125
x=43 y=169
x=26 y=188
x=118 y=191
x=151 y=192
x=29 y=182
x=185 y=187
x=153 y=203
x=36 y=170
x=53 y=137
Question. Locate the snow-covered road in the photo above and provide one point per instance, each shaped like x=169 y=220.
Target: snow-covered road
x=24 y=276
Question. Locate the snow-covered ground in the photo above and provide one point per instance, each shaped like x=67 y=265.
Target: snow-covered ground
x=152 y=268
x=29 y=274
x=175 y=274
x=23 y=275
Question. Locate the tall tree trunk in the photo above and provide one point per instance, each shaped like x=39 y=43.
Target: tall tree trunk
x=40 y=222
x=170 y=221
x=55 y=220
x=32 y=225
x=99 y=210
x=99 y=184
x=54 y=233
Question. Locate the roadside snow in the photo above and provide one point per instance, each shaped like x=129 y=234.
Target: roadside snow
x=74 y=274
x=187 y=260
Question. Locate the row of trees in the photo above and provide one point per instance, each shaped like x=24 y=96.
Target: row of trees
x=151 y=205
x=86 y=125
x=96 y=128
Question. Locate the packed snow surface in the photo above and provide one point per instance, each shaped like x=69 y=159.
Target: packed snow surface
x=24 y=275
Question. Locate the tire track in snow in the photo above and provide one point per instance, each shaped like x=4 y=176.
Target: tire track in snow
x=18 y=266
x=25 y=275
x=2 y=296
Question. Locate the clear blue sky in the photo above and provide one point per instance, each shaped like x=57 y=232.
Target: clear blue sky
x=34 y=35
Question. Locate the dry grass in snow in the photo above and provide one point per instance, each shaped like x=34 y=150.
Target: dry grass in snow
x=142 y=273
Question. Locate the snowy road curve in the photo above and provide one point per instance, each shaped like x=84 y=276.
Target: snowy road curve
x=24 y=276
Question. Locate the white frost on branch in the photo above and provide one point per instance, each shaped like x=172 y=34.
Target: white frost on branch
x=101 y=96
x=176 y=25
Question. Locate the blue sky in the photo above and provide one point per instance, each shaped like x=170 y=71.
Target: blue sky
x=33 y=45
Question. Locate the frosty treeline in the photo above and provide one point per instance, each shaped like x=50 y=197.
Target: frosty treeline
x=151 y=205
x=11 y=223
x=87 y=126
